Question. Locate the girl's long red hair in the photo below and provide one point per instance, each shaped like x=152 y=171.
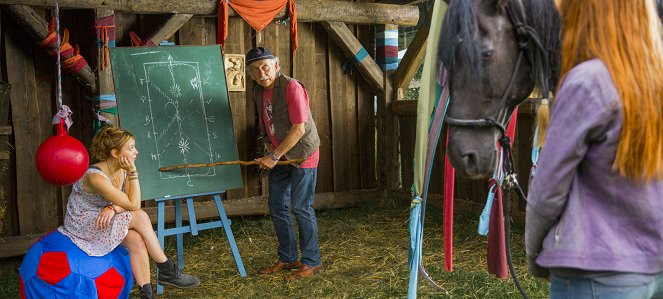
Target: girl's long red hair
x=627 y=36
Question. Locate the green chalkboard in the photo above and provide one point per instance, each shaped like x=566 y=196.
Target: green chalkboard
x=174 y=99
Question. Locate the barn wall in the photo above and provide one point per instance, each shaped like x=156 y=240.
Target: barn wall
x=341 y=102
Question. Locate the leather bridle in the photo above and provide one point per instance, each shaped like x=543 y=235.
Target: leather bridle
x=528 y=42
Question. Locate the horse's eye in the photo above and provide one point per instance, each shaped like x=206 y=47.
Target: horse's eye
x=486 y=55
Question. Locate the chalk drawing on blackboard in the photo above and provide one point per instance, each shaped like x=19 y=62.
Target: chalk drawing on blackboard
x=177 y=105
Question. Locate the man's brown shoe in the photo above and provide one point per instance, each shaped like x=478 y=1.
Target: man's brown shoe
x=301 y=272
x=279 y=266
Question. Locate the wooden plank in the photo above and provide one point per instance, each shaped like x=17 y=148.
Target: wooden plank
x=18 y=246
x=37 y=27
x=350 y=116
x=6 y=130
x=307 y=10
x=7 y=166
x=243 y=111
x=366 y=115
x=338 y=89
x=125 y=22
x=105 y=75
x=346 y=41
x=169 y=28
x=320 y=103
x=310 y=68
x=522 y=150
x=404 y=108
x=193 y=32
x=407 y=128
x=342 y=101
x=414 y=56
x=31 y=115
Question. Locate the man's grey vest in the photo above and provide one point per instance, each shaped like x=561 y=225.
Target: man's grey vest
x=281 y=119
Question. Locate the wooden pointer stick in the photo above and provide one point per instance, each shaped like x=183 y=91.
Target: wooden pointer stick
x=236 y=162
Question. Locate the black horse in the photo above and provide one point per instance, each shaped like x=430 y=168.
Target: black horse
x=496 y=53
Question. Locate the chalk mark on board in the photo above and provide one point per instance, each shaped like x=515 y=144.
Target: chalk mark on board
x=176 y=137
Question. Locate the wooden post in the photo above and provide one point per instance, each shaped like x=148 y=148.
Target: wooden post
x=352 y=48
x=307 y=10
x=37 y=27
x=104 y=75
x=414 y=56
x=388 y=159
x=7 y=170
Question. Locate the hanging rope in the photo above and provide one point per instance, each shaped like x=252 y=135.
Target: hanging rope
x=63 y=111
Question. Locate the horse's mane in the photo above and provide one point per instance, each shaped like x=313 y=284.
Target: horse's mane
x=458 y=36
x=459 y=32
x=544 y=18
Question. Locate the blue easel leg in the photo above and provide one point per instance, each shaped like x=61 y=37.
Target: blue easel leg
x=192 y=216
x=229 y=234
x=180 y=239
x=160 y=234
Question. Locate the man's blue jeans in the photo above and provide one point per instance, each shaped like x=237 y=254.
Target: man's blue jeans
x=581 y=288
x=296 y=186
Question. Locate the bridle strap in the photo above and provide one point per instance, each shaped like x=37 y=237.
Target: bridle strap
x=489 y=122
x=475 y=123
x=525 y=35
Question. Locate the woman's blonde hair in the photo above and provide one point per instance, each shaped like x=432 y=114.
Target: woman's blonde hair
x=109 y=138
x=626 y=36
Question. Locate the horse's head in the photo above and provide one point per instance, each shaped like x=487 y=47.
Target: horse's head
x=493 y=66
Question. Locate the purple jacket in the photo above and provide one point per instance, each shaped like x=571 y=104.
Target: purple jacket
x=581 y=213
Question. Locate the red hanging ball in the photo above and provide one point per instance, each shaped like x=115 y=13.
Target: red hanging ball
x=62 y=159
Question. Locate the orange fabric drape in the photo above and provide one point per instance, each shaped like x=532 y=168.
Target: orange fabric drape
x=258 y=13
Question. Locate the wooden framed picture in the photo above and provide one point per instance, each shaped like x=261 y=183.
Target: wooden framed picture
x=235 y=71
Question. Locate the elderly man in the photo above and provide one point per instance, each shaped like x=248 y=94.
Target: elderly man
x=287 y=128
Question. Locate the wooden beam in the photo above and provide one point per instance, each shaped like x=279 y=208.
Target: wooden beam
x=400 y=2
x=414 y=56
x=404 y=108
x=349 y=44
x=387 y=130
x=307 y=10
x=37 y=27
x=169 y=28
x=17 y=246
x=6 y=130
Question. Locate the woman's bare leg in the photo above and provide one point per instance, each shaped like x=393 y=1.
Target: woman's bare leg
x=138 y=257
x=140 y=223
